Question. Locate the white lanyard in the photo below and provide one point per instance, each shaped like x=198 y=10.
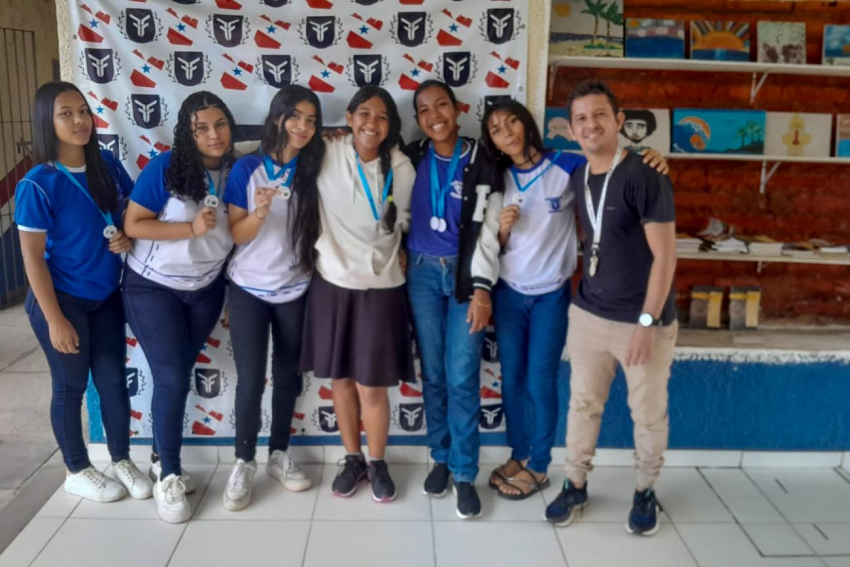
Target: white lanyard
x=596 y=219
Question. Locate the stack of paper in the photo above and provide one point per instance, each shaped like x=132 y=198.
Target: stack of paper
x=799 y=250
x=730 y=246
x=764 y=246
x=687 y=243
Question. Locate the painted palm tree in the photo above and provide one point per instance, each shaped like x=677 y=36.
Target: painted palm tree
x=758 y=131
x=751 y=129
x=612 y=16
x=742 y=133
x=595 y=9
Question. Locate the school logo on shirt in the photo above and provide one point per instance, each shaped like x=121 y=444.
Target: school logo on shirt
x=113 y=143
x=324 y=417
x=135 y=382
x=277 y=71
x=228 y=30
x=140 y=25
x=146 y=110
x=458 y=68
x=368 y=70
x=490 y=352
x=491 y=416
x=189 y=68
x=209 y=382
x=457 y=189
x=320 y=31
x=410 y=417
x=499 y=25
x=554 y=204
x=411 y=29
x=102 y=66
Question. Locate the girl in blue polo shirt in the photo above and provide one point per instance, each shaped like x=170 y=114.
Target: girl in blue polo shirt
x=173 y=284
x=68 y=210
x=273 y=203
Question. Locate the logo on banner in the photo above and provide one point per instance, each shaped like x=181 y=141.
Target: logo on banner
x=189 y=68
x=135 y=382
x=146 y=110
x=324 y=417
x=320 y=31
x=490 y=353
x=140 y=25
x=500 y=25
x=367 y=2
x=100 y=65
x=228 y=30
x=185 y=1
x=274 y=3
x=277 y=70
x=368 y=70
x=410 y=417
x=487 y=101
x=209 y=382
x=206 y=425
x=491 y=416
x=113 y=143
x=412 y=29
x=458 y=68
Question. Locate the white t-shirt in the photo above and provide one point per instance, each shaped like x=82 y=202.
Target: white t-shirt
x=540 y=255
x=187 y=264
x=353 y=252
x=267 y=266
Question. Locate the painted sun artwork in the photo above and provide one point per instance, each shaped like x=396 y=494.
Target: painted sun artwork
x=720 y=41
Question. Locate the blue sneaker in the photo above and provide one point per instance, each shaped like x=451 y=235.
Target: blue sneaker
x=569 y=502
x=643 y=519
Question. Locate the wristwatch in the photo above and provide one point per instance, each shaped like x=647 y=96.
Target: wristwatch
x=647 y=320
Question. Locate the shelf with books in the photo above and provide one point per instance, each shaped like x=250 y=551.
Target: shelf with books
x=762 y=259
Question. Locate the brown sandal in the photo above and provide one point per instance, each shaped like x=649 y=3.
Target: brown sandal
x=500 y=474
x=525 y=487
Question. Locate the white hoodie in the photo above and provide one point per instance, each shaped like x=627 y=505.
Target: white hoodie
x=353 y=252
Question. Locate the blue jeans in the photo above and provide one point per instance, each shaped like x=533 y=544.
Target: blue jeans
x=100 y=328
x=531 y=331
x=451 y=363
x=171 y=327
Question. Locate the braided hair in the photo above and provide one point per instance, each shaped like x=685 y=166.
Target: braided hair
x=393 y=139
x=186 y=175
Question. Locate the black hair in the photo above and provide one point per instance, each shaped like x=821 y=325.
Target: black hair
x=427 y=85
x=533 y=141
x=645 y=115
x=186 y=175
x=393 y=139
x=305 y=227
x=588 y=88
x=101 y=184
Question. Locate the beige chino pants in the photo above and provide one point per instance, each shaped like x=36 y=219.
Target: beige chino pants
x=596 y=346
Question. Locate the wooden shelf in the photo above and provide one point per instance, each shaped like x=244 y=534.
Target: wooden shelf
x=757 y=158
x=698 y=65
x=841 y=260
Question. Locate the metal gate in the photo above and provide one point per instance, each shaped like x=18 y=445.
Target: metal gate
x=18 y=83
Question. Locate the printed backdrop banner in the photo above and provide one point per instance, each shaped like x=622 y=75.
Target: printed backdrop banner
x=137 y=60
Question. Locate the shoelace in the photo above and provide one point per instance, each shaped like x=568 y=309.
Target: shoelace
x=174 y=484
x=238 y=478
x=95 y=477
x=381 y=471
x=348 y=468
x=128 y=469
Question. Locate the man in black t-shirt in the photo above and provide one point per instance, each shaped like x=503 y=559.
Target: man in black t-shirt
x=624 y=312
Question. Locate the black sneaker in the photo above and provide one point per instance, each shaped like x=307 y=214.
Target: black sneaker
x=643 y=519
x=383 y=487
x=352 y=470
x=468 y=503
x=437 y=483
x=571 y=501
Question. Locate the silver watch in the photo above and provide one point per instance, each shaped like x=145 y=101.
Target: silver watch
x=647 y=320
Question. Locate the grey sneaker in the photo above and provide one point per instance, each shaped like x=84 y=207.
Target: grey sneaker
x=383 y=487
x=352 y=470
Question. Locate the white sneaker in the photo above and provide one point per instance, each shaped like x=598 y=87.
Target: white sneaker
x=237 y=494
x=156 y=470
x=281 y=468
x=127 y=473
x=171 y=501
x=92 y=484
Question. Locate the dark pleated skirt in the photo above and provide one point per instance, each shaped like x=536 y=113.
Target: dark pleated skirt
x=359 y=334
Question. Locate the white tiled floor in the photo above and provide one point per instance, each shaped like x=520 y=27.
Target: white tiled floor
x=752 y=517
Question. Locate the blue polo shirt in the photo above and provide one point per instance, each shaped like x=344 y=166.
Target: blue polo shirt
x=77 y=254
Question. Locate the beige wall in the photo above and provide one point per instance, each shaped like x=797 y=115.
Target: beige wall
x=40 y=17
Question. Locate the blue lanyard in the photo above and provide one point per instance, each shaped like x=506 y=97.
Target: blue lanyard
x=107 y=216
x=212 y=188
x=368 y=190
x=523 y=188
x=438 y=191
x=290 y=165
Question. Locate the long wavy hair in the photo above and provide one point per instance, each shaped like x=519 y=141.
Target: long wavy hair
x=393 y=139
x=100 y=182
x=186 y=175
x=304 y=220
x=533 y=141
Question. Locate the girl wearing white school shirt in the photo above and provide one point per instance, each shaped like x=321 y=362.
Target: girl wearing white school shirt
x=357 y=330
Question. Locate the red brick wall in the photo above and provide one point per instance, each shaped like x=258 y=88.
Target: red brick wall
x=802 y=201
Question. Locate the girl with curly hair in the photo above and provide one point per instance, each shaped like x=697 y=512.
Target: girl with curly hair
x=273 y=203
x=173 y=284
x=356 y=329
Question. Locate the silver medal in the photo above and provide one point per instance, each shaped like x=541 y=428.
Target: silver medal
x=435 y=223
x=285 y=193
x=211 y=201
x=110 y=231
x=442 y=226
x=519 y=199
